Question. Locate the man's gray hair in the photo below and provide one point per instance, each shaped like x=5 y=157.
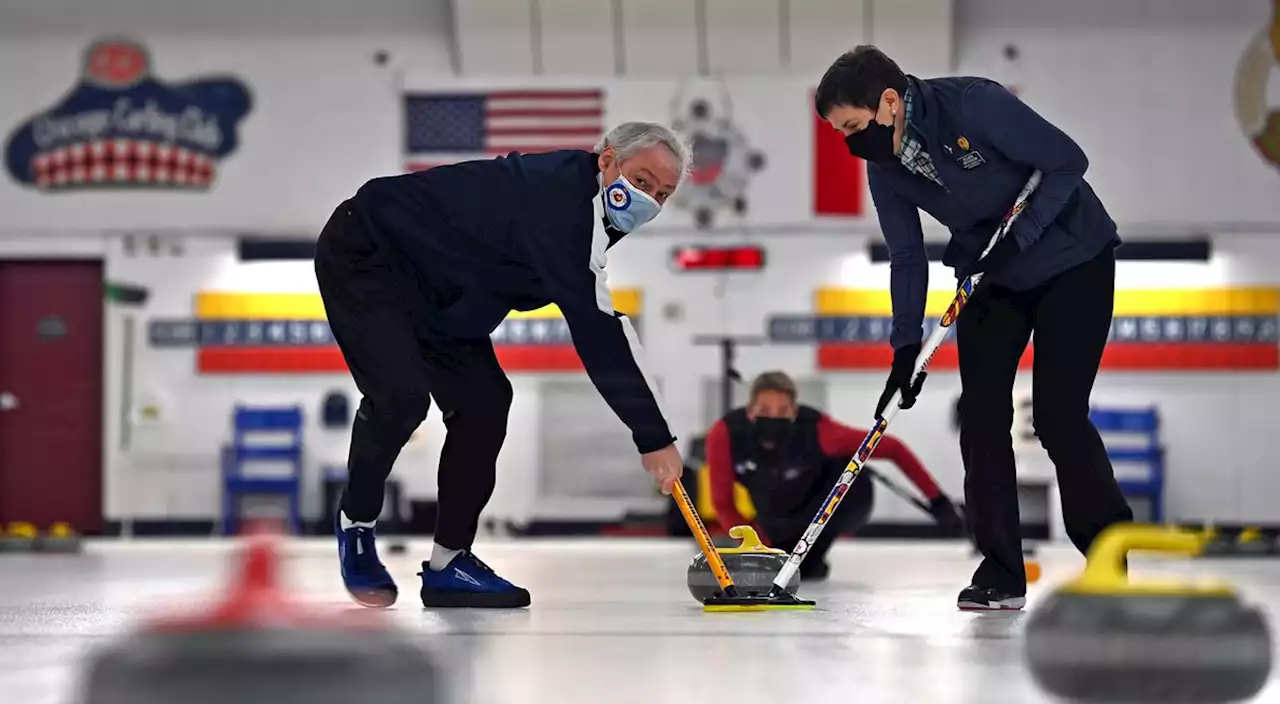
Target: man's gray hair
x=630 y=137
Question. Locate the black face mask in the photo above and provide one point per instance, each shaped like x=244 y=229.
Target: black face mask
x=773 y=430
x=873 y=143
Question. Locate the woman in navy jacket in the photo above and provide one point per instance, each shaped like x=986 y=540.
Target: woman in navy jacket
x=961 y=149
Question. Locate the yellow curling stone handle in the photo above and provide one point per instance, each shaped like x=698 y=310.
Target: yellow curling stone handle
x=1250 y=535
x=1104 y=573
x=22 y=529
x=750 y=542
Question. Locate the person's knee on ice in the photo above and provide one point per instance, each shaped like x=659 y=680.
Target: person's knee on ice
x=853 y=514
x=855 y=510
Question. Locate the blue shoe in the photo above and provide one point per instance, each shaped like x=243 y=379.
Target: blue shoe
x=468 y=582
x=366 y=579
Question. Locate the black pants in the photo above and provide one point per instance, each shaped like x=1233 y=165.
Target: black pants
x=854 y=512
x=375 y=308
x=1070 y=315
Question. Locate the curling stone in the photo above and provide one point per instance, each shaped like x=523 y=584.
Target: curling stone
x=1236 y=542
x=1103 y=639
x=751 y=564
x=259 y=647
x=59 y=538
x=1252 y=543
x=18 y=536
x=1217 y=542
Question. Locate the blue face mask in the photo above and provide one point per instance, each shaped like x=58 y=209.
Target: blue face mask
x=628 y=207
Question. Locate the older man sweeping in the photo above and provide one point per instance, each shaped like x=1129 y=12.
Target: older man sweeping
x=417 y=270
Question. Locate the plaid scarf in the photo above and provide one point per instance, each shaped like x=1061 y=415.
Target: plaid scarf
x=913 y=154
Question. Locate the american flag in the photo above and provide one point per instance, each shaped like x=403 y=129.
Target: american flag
x=448 y=127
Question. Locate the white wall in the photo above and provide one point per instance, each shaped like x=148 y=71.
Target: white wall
x=639 y=38
x=1148 y=88
x=24 y=19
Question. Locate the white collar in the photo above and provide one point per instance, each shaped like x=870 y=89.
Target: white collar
x=599 y=199
x=599 y=236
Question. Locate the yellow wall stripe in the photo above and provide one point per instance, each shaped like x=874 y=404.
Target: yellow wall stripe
x=859 y=301
x=1255 y=300
x=1221 y=301
x=219 y=305
x=224 y=305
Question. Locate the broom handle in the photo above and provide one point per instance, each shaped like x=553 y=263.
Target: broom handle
x=704 y=539
x=902 y=493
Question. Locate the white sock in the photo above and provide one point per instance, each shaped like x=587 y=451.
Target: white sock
x=348 y=524
x=441 y=557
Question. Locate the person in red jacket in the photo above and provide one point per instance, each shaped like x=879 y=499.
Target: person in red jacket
x=789 y=456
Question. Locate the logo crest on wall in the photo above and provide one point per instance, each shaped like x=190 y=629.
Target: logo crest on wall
x=723 y=159
x=120 y=127
x=1258 y=120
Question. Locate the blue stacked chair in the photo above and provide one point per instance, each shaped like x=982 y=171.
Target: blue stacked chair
x=237 y=483
x=1144 y=425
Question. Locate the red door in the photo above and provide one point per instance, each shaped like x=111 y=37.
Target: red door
x=51 y=357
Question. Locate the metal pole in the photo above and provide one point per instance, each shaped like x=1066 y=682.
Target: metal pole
x=727 y=350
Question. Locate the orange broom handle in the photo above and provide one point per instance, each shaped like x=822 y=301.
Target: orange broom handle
x=704 y=539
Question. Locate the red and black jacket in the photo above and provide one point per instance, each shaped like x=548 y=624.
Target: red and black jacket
x=785 y=479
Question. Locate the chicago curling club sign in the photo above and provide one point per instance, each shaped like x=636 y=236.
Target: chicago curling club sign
x=120 y=127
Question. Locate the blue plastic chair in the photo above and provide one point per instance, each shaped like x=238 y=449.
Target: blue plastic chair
x=247 y=421
x=1143 y=422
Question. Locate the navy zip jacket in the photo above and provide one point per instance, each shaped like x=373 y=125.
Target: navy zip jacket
x=517 y=233
x=985 y=144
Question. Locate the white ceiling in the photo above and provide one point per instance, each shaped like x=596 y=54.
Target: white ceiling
x=28 y=18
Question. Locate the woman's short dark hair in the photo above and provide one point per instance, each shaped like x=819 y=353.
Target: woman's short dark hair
x=857 y=79
x=773 y=381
